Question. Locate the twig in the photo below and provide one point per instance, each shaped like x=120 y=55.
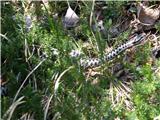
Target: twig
x=59 y=78
x=11 y=109
x=47 y=107
x=91 y=15
x=4 y=36
x=26 y=79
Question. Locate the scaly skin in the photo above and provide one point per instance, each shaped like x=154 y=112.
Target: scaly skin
x=93 y=62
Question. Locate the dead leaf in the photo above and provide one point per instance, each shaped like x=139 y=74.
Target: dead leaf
x=147 y=15
x=70 y=19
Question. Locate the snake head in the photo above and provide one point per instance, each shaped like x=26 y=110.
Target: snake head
x=139 y=38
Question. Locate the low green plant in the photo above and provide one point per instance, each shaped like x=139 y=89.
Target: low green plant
x=43 y=84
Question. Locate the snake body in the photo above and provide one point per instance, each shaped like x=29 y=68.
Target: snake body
x=93 y=62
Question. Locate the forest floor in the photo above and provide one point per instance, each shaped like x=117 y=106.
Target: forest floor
x=53 y=66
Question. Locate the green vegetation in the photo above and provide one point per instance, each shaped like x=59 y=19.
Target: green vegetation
x=45 y=84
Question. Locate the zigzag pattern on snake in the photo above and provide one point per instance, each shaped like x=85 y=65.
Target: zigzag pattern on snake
x=93 y=62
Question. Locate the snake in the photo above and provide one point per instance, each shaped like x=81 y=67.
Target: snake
x=136 y=40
